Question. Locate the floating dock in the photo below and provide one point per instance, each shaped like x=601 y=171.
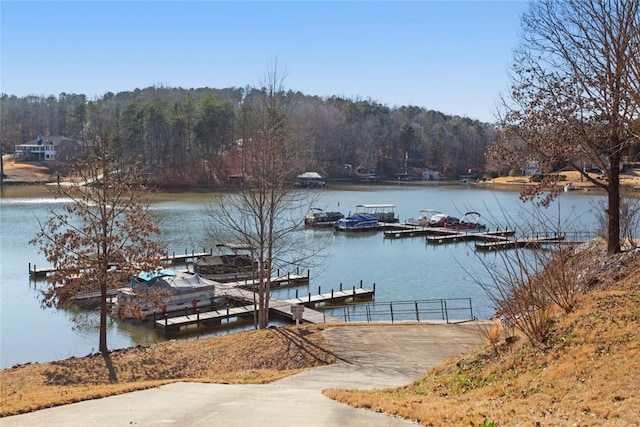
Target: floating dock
x=398 y=231
x=278 y=308
x=35 y=272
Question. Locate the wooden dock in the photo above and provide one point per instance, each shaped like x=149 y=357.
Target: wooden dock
x=276 y=281
x=513 y=243
x=405 y=230
x=186 y=257
x=279 y=308
x=487 y=236
x=173 y=325
x=333 y=297
x=35 y=272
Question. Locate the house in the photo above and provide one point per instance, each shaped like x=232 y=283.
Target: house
x=310 y=180
x=530 y=169
x=430 y=175
x=47 y=148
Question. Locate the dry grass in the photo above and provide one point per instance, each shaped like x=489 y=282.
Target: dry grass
x=25 y=172
x=586 y=374
x=628 y=181
x=247 y=357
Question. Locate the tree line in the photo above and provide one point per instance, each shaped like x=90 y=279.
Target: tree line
x=195 y=136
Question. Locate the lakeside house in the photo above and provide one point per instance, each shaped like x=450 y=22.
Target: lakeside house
x=47 y=148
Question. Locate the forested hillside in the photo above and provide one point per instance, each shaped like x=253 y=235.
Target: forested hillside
x=195 y=136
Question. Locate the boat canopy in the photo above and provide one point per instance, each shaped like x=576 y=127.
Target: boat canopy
x=377 y=206
x=151 y=276
x=310 y=175
x=235 y=246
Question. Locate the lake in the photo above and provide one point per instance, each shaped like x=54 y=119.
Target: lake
x=402 y=269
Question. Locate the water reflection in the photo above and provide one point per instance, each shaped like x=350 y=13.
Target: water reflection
x=402 y=269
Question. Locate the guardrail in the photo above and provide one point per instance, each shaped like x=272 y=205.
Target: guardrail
x=451 y=310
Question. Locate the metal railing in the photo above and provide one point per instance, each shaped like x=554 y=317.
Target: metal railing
x=452 y=310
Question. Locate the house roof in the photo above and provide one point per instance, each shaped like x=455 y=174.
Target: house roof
x=55 y=140
x=310 y=175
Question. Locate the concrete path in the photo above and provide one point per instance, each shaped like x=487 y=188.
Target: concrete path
x=375 y=356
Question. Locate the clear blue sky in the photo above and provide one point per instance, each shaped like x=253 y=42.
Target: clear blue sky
x=450 y=56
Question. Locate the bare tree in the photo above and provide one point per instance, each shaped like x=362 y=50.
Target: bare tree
x=266 y=209
x=528 y=284
x=103 y=235
x=574 y=99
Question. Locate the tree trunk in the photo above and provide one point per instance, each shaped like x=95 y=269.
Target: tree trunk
x=613 y=208
x=103 y=318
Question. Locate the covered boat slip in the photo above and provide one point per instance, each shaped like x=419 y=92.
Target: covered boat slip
x=179 y=292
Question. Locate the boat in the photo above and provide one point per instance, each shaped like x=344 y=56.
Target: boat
x=161 y=292
x=320 y=218
x=236 y=262
x=424 y=218
x=383 y=212
x=443 y=220
x=358 y=222
x=469 y=222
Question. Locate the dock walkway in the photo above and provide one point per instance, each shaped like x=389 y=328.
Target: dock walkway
x=407 y=230
x=35 y=272
x=280 y=308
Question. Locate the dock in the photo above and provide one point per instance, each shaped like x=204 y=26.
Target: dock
x=278 y=308
x=513 y=243
x=536 y=240
x=279 y=280
x=487 y=236
x=174 y=258
x=398 y=231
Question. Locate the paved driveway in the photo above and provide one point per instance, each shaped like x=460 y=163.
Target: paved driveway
x=370 y=357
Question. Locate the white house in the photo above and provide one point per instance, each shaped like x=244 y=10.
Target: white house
x=44 y=147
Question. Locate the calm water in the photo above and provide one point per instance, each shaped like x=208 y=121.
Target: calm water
x=403 y=269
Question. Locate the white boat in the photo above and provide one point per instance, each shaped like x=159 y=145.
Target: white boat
x=163 y=291
x=424 y=217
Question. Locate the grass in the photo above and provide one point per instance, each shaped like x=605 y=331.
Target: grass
x=585 y=374
x=251 y=357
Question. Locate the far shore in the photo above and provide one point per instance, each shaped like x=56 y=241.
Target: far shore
x=24 y=173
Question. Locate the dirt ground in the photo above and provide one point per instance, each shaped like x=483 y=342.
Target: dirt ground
x=25 y=173
x=628 y=180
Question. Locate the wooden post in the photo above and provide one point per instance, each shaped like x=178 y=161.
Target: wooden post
x=446 y=312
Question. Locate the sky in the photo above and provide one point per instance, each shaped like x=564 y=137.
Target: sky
x=448 y=56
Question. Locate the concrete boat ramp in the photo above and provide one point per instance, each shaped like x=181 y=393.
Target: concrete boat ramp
x=369 y=357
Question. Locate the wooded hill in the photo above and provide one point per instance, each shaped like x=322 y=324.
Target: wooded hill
x=195 y=136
